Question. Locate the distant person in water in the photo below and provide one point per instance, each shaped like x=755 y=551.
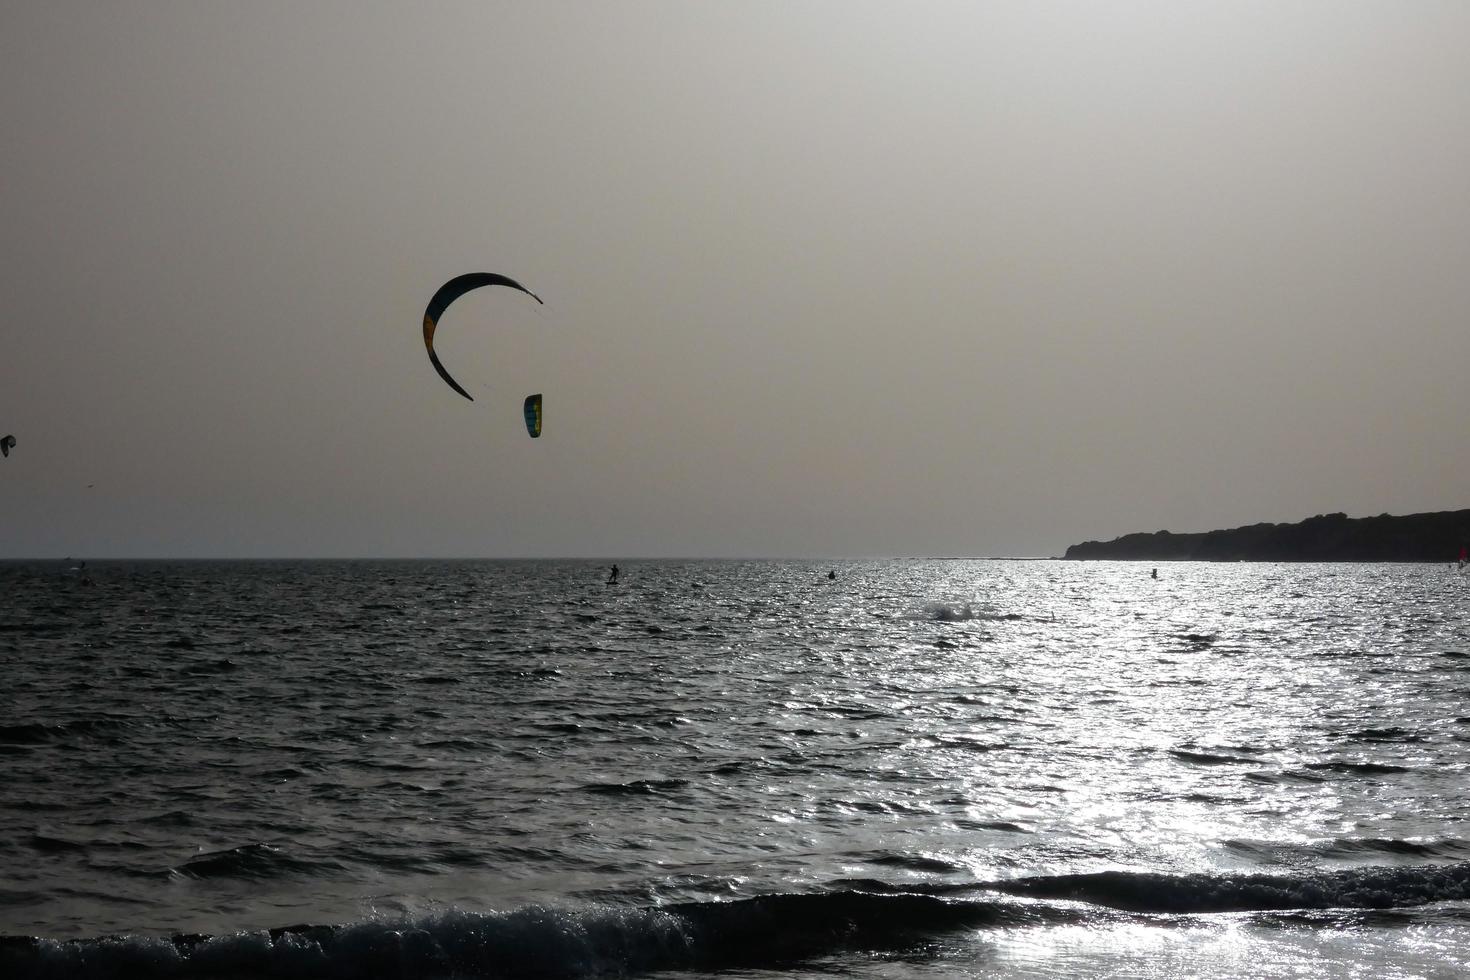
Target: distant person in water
x=613 y=575
x=1154 y=574
x=832 y=574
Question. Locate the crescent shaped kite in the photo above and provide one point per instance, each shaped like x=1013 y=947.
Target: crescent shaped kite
x=448 y=293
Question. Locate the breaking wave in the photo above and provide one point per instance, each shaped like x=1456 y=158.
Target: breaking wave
x=960 y=612
x=1360 y=888
x=764 y=931
x=530 y=942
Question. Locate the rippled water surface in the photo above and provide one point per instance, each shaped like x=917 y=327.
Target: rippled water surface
x=918 y=768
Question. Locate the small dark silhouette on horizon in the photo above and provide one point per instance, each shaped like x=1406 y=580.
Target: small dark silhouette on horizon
x=1432 y=537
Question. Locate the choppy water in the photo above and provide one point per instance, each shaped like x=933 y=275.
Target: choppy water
x=922 y=768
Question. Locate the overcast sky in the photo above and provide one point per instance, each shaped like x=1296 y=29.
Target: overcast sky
x=821 y=278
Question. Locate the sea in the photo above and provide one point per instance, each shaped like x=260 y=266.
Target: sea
x=898 y=768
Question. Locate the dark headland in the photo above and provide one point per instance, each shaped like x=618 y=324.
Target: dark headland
x=1327 y=537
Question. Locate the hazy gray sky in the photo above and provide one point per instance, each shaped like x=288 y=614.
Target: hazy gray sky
x=822 y=278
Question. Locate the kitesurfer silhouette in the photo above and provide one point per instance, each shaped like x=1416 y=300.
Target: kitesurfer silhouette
x=612 y=577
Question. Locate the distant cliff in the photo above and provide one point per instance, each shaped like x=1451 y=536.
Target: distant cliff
x=1326 y=537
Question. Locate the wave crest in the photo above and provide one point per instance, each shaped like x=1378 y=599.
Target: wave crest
x=530 y=942
x=764 y=931
x=1365 y=888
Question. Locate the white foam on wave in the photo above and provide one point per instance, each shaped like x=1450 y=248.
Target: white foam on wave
x=959 y=612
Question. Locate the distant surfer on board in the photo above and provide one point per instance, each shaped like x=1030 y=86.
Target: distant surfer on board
x=612 y=576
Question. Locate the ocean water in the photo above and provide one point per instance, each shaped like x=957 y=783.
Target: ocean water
x=734 y=768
